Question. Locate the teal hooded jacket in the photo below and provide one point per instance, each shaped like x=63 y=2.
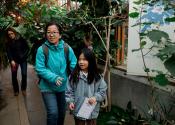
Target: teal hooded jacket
x=55 y=67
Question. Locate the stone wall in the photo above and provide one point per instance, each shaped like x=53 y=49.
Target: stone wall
x=136 y=89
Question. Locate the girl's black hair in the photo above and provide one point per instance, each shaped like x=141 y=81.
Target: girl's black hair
x=92 y=68
x=53 y=23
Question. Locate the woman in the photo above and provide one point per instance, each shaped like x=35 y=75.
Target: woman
x=17 y=52
x=53 y=74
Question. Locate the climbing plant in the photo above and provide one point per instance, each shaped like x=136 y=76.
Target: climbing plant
x=150 y=29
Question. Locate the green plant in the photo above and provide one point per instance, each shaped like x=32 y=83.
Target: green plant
x=4 y=23
x=119 y=116
x=161 y=41
x=75 y=24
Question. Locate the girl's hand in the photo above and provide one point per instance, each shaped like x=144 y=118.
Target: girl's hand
x=71 y=106
x=59 y=81
x=13 y=63
x=92 y=100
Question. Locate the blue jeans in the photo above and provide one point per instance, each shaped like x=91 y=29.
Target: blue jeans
x=55 y=104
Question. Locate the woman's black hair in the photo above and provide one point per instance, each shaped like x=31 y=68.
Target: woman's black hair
x=53 y=23
x=92 y=67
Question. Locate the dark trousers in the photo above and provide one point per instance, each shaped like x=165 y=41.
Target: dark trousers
x=14 y=71
x=85 y=122
x=55 y=104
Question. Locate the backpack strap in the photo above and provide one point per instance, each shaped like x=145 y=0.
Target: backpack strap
x=46 y=53
x=66 y=54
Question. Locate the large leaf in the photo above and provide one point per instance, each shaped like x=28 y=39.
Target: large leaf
x=157 y=35
x=166 y=52
x=170 y=65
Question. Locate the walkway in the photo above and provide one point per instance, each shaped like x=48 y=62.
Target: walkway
x=24 y=110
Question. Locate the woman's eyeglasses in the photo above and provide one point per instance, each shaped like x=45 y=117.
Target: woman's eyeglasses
x=53 y=33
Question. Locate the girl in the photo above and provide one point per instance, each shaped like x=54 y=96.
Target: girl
x=85 y=82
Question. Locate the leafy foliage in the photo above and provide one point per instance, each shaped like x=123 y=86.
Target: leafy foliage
x=119 y=116
x=4 y=23
x=159 y=39
x=161 y=79
x=166 y=50
x=130 y=116
x=35 y=15
x=3 y=57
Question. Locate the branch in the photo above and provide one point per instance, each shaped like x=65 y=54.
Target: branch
x=98 y=34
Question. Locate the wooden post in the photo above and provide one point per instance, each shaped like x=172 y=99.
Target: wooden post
x=76 y=5
x=123 y=44
x=68 y=5
x=120 y=38
x=59 y=3
x=119 y=43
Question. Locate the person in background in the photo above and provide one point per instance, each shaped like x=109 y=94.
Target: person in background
x=88 y=42
x=17 y=52
x=53 y=74
x=85 y=82
x=85 y=43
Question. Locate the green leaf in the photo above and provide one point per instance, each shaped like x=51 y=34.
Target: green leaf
x=161 y=79
x=146 y=70
x=170 y=65
x=142 y=44
x=142 y=34
x=166 y=52
x=134 y=14
x=170 y=19
x=156 y=35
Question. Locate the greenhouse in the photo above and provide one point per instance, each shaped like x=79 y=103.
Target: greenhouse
x=87 y=62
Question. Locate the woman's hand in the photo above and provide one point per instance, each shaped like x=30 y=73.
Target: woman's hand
x=92 y=100
x=71 y=106
x=59 y=81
